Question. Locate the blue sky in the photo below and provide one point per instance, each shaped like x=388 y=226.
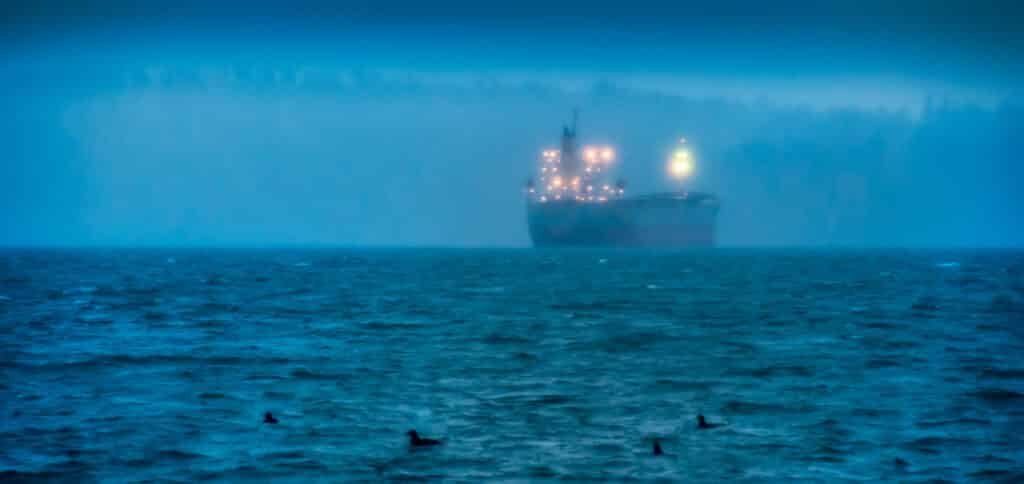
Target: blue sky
x=414 y=124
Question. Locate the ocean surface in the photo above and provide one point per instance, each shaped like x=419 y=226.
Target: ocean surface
x=821 y=366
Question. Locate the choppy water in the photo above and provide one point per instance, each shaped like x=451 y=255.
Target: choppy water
x=530 y=365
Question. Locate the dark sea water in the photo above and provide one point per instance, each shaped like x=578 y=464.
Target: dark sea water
x=152 y=365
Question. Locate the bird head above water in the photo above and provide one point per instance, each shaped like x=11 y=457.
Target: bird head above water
x=417 y=441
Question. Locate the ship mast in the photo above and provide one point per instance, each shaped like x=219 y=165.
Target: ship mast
x=569 y=160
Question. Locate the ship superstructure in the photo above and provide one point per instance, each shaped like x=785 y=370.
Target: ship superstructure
x=575 y=174
x=573 y=203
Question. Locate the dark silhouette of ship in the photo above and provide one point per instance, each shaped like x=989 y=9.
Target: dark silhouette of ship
x=572 y=204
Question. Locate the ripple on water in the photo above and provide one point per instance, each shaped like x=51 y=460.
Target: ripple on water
x=531 y=366
x=998 y=396
x=741 y=407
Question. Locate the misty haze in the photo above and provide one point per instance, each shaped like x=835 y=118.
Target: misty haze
x=365 y=137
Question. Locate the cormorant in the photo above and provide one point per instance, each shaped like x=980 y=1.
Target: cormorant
x=416 y=441
x=703 y=424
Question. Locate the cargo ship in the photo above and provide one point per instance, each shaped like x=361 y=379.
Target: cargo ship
x=573 y=204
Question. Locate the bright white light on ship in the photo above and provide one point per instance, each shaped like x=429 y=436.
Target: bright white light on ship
x=607 y=154
x=681 y=167
x=543 y=198
x=590 y=154
x=556 y=181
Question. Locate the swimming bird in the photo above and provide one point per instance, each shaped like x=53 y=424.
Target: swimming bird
x=416 y=441
x=657 y=448
x=703 y=424
x=268 y=418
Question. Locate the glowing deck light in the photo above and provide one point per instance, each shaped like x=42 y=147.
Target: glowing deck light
x=556 y=181
x=681 y=165
x=607 y=154
x=590 y=154
x=590 y=188
x=543 y=198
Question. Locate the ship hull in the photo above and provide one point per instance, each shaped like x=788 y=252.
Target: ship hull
x=673 y=220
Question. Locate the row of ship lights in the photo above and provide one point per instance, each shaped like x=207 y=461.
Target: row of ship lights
x=594 y=157
x=680 y=166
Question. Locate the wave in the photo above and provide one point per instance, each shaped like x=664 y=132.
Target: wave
x=502 y=339
x=134 y=360
x=1003 y=374
x=997 y=395
x=773 y=371
x=741 y=407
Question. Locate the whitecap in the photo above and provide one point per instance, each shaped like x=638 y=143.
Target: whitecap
x=302 y=264
x=602 y=261
x=653 y=286
x=947 y=264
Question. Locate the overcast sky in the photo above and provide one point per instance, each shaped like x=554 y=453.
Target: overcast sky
x=817 y=123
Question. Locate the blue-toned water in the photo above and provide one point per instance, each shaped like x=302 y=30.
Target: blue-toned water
x=152 y=365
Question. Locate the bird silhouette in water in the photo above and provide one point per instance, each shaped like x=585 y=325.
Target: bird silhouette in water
x=703 y=424
x=416 y=441
x=268 y=418
x=657 y=448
